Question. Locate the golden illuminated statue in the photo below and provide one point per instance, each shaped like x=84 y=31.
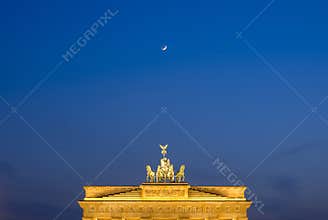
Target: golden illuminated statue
x=159 y=174
x=163 y=147
x=180 y=177
x=165 y=170
x=170 y=173
x=150 y=174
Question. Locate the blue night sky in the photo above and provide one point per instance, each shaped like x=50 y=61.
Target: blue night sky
x=256 y=101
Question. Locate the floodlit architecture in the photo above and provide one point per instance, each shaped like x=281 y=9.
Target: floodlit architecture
x=164 y=196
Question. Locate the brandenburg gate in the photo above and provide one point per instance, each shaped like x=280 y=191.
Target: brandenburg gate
x=164 y=196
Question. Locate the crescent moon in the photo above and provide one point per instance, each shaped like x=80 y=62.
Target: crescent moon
x=164 y=48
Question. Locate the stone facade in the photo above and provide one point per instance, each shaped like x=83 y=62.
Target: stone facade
x=164 y=201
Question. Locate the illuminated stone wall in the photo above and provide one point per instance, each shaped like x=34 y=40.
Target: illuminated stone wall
x=164 y=201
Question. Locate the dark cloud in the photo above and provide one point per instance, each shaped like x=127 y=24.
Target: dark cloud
x=286 y=206
x=278 y=208
x=7 y=171
x=36 y=211
x=299 y=149
x=39 y=211
x=15 y=206
x=7 y=175
x=286 y=185
x=284 y=198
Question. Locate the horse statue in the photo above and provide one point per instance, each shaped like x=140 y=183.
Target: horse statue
x=170 y=174
x=150 y=174
x=180 y=177
x=159 y=175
